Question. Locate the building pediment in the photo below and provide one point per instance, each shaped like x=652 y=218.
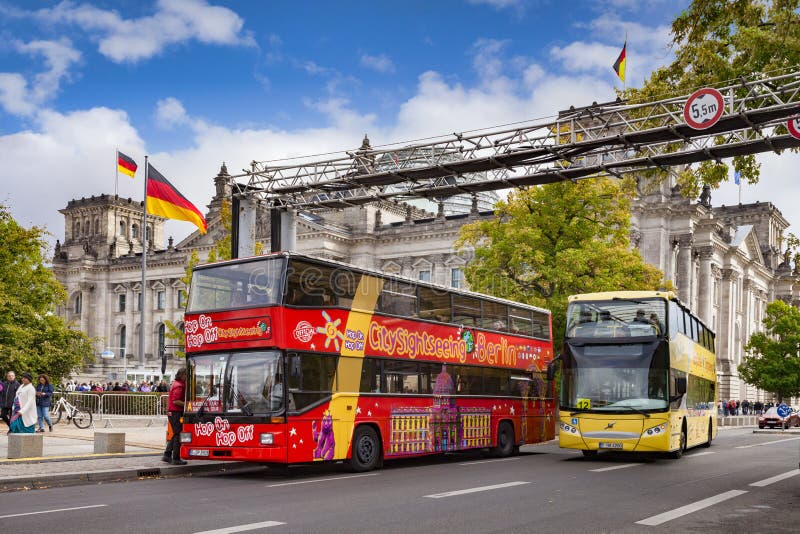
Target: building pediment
x=745 y=242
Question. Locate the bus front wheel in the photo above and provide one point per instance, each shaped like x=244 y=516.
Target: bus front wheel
x=366 y=449
x=505 y=440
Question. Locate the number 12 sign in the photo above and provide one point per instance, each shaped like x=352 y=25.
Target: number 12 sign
x=703 y=109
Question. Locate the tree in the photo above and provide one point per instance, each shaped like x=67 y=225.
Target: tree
x=551 y=241
x=772 y=362
x=32 y=337
x=717 y=42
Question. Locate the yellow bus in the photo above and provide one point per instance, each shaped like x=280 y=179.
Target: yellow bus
x=638 y=374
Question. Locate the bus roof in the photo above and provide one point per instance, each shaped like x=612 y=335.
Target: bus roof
x=610 y=295
x=374 y=272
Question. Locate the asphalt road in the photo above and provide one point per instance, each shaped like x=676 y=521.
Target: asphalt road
x=743 y=483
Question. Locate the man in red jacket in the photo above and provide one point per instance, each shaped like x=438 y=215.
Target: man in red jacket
x=172 y=454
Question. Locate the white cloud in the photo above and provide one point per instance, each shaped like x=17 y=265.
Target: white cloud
x=380 y=63
x=17 y=96
x=170 y=112
x=500 y=4
x=175 y=21
x=583 y=57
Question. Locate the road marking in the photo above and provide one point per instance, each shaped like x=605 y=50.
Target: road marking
x=475 y=490
x=478 y=462
x=694 y=454
x=56 y=510
x=613 y=467
x=242 y=528
x=776 y=478
x=766 y=443
x=689 y=508
x=320 y=480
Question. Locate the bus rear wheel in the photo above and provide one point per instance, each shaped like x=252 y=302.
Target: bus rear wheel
x=505 y=440
x=710 y=433
x=366 y=450
x=675 y=455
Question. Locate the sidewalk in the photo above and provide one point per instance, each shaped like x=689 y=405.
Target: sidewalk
x=69 y=458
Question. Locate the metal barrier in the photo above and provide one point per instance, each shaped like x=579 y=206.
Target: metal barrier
x=110 y=406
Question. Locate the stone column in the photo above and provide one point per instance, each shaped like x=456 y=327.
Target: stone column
x=705 y=286
x=684 y=268
x=725 y=344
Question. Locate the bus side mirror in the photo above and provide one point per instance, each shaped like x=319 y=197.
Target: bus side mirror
x=551 y=368
x=680 y=386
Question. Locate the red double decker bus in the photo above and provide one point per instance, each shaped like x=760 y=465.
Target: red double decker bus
x=293 y=359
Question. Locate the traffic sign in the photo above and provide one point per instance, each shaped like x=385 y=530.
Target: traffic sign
x=703 y=109
x=794 y=127
x=783 y=410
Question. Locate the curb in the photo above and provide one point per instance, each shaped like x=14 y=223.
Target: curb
x=28 y=482
x=777 y=431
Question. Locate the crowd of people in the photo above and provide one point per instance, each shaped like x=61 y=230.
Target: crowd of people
x=744 y=407
x=117 y=387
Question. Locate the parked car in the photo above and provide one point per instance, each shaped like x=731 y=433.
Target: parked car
x=771 y=419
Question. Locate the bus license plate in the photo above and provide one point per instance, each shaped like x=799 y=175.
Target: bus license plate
x=610 y=445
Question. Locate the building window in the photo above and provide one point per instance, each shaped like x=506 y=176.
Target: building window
x=161 y=331
x=456 y=278
x=122 y=333
x=78 y=304
x=161 y=300
x=97 y=226
x=181 y=298
x=76 y=229
x=139 y=301
x=122 y=228
x=121 y=302
x=134 y=231
x=425 y=275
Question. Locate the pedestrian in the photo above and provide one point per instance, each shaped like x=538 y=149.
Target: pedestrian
x=10 y=386
x=172 y=453
x=44 y=392
x=23 y=419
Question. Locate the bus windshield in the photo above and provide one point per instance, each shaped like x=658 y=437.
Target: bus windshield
x=615 y=378
x=616 y=318
x=238 y=285
x=248 y=383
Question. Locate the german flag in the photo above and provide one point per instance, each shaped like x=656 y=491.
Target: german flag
x=619 y=64
x=166 y=201
x=125 y=164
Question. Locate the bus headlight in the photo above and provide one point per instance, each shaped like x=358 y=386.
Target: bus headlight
x=186 y=437
x=267 y=438
x=655 y=430
x=568 y=429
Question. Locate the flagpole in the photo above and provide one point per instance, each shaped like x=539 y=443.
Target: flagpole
x=116 y=196
x=624 y=83
x=144 y=238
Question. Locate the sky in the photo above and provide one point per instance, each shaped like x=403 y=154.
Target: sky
x=195 y=83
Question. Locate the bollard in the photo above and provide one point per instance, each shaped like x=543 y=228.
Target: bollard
x=109 y=442
x=25 y=445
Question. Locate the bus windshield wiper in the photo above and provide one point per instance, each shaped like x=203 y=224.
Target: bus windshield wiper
x=637 y=410
x=637 y=301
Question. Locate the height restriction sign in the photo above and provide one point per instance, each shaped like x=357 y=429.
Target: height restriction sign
x=703 y=109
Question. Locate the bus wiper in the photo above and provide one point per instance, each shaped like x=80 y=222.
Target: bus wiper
x=637 y=301
x=637 y=410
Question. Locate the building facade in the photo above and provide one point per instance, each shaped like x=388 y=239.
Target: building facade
x=725 y=262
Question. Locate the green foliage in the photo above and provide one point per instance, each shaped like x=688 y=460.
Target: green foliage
x=221 y=251
x=32 y=337
x=772 y=362
x=717 y=42
x=552 y=241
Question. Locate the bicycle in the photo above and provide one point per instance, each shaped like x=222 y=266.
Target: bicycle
x=80 y=417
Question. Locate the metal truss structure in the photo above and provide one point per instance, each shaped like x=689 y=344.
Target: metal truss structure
x=609 y=139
